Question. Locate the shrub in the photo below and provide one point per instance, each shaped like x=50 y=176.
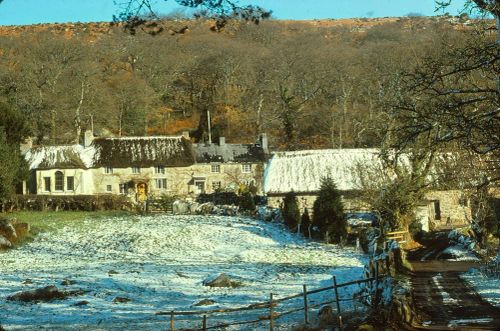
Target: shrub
x=328 y=215
x=247 y=202
x=305 y=222
x=290 y=211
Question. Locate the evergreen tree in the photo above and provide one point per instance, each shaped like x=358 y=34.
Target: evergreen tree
x=328 y=214
x=247 y=202
x=9 y=166
x=290 y=211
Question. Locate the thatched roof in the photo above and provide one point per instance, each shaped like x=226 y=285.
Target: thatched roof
x=115 y=152
x=142 y=152
x=249 y=153
x=56 y=157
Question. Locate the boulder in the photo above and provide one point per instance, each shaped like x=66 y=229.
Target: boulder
x=180 y=207
x=205 y=208
x=4 y=242
x=121 y=300
x=67 y=282
x=45 y=294
x=7 y=230
x=222 y=280
x=22 y=229
x=81 y=303
x=204 y=302
x=193 y=207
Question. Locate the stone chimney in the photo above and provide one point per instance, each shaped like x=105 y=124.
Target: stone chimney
x=264 y=143
x=26 y=145
x=222 y=141
x=185 y=134
x=88 y=138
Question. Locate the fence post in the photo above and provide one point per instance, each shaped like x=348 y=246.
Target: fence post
x=306 y=312
x=271 y=321
x=172 y=320
x=204 y=328
x=337 y=299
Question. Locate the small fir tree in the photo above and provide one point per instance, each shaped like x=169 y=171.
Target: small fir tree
x=328 y=214
x=247 y=202
x=290 y=211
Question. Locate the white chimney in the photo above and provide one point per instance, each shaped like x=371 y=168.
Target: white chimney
x=185 y=134
x=26 y=145
x=264 y=143
x=222 y=141
x=88 y=137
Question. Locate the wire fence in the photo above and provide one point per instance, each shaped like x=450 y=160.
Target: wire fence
x=272 y=310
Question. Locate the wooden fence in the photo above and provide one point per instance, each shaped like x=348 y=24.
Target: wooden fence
x=270 y=308
x=399 y=236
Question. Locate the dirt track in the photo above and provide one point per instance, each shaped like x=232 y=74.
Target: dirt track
x=442 y=299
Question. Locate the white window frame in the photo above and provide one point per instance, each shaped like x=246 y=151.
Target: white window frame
x=108 y=170
x=72 y=182
x=45 y=178
x=161 y=183
x=216 y=185
x=109 y=188
x=215 y=168
x=136 y=170
x=123 y=187
x=246 y=168
x=160 y=170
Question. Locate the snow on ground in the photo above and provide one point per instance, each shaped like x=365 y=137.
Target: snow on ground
x=459 y=253
x=487 y=287
x=160 y=262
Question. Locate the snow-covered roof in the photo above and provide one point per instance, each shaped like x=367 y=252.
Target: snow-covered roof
x=114 y=152
x=62 y=157
x=302 y=171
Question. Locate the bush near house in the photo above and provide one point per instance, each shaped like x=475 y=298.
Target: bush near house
x=328 y=216
x=290 y=211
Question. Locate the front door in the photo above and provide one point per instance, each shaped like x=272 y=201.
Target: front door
x=142 y=192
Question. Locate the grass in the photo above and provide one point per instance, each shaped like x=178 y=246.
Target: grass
x=48 y=221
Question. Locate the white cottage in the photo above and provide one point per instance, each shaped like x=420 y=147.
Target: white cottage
x=302 y=171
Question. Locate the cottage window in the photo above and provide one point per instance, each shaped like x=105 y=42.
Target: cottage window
x=437 y=210
x=109 y=188
x=59 y=183
x=246 y=168
x=161 y=183
x=123 y=188
x=216 y=185
x=159 y=170
x=108 y=170
x=200 y=185
x=46 y=184
x=215 y=167
x=136 y=170
x=70 y=183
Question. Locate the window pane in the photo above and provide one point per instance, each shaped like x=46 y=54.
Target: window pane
x=215 y=167
x=46 y=182
x=59 y=181
x=109 y=188
x=70 y=183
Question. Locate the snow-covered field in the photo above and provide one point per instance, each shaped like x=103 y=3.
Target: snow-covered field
x=159 y=263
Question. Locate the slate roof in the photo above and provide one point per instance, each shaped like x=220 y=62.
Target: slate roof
x=242 y=153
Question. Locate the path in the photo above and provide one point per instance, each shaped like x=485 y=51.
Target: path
x=442 y=299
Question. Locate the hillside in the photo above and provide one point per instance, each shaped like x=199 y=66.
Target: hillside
x=308 y=84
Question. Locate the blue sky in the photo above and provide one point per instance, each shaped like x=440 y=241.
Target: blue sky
x=18 y=12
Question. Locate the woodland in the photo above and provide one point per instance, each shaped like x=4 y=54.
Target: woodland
x=307 y=84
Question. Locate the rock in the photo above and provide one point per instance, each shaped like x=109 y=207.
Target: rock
x=121 y=300
x=365 y=327
x=67 y=282
x=27 y=281
x=180 y=207
x=81 y=303
x=204 y=302
x=221 y=281
x=44 y=294
x=4 y=242
x=7 y=230
x=205 y=208
x=326 y=316
x=113 y=272
x=193 y=207
x=182 y=275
